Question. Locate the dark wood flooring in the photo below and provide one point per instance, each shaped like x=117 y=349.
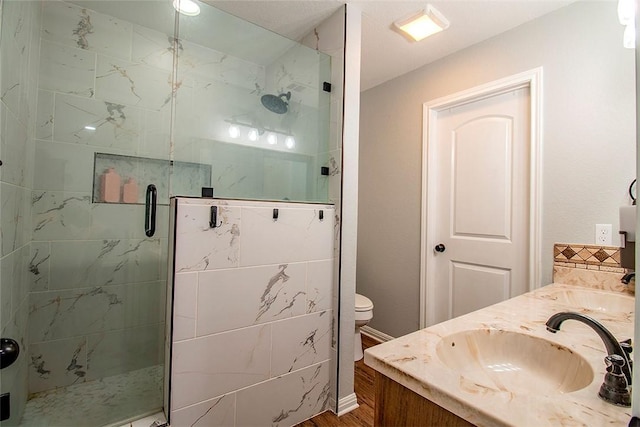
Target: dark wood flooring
x=365 y=392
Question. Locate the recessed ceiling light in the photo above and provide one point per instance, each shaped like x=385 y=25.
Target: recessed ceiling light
x=422 y=24
x=186 y=7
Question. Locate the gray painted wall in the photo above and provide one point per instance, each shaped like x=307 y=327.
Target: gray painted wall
x=588 y=143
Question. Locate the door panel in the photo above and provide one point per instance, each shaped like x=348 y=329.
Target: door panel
x=481 y=176
x=475 y=286
x=480 y=194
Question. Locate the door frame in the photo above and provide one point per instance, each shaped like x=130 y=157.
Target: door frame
x=531 y=79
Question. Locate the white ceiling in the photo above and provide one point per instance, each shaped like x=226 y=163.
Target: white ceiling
x=385 y=53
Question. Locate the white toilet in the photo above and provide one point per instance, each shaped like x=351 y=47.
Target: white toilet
x=364 y=313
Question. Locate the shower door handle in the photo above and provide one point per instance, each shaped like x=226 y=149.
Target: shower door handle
x=151 y=202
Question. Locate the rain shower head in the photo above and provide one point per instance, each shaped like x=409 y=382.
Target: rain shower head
x=277 y=104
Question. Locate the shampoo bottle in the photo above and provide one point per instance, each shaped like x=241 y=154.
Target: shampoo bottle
x=130 y=191
x=110 y=186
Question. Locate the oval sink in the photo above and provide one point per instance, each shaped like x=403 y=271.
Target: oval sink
x=514 y=362
x=591 y=300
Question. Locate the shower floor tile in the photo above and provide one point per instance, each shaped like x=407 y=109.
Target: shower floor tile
x=110 y=400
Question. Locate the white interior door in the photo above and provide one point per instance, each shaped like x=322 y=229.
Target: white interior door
x=479 y=204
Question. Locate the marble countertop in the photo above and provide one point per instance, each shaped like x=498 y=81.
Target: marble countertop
x=412 y=361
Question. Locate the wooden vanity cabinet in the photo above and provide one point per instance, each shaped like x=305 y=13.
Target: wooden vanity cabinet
x=398 y=406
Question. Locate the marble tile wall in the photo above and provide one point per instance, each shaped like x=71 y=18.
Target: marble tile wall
x=105 y=85
x=19 y=48
x=252 y=313
x=83 y=279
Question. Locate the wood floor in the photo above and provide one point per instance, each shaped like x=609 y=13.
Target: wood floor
x=365 y=391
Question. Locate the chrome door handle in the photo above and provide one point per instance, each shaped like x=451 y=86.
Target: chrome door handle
x=440 y=247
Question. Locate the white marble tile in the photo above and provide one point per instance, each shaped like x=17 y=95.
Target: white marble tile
x=13 y=289
x=88 y=263
x=236 y=171
x=235 y=298
x=154 y=142
x=62 y=314
x=11 y=52
x=300 y=342
x=39 y=263
x=219 y=411
x=153 y=48
x=44 y=115
x=20 y=277
x=14 y=147
x=14 y=217
x=110 y=125
x=320 y=284
x=117 y=352
x=124 y=221
x=7 y=264
x=86 y=29
x=286 y=400
x=211 y=366
x=297 y=235
x=63 y=167
x=185 y=296
x=128 y=83
x=208 y=65
x=57 y=363
x=67 y=313
x=199 y=247
x=31 y=61
x=67 y=69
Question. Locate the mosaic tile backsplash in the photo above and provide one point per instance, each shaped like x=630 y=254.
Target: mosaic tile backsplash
x=590 y=257
x=592 y=266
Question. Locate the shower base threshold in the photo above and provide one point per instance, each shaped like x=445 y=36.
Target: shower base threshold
x=108 y=401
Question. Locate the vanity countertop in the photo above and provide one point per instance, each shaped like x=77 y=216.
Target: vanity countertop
x=413 y=362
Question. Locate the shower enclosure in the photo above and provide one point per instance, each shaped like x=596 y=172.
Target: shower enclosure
x=109 y=108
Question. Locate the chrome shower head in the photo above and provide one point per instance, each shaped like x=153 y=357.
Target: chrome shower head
x=277 y=104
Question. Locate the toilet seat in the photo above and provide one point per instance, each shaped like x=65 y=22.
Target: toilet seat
x=363 y=303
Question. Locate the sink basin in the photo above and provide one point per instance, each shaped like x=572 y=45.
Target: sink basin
x=591 y=300
x=514 y=362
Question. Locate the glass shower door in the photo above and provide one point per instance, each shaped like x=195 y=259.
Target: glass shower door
x=86 y=278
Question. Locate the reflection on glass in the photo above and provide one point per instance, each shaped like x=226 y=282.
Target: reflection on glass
x=269 y=89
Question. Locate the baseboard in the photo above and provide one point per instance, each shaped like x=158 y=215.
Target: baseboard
x=347 y=404
x=375 y=334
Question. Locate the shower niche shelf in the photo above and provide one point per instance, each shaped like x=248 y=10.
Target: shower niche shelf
x=187 y=178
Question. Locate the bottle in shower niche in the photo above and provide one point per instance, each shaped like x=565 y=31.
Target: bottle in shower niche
x=110 y=186
x=130 y=191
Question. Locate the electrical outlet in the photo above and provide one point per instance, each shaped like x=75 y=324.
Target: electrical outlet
x=604 y=235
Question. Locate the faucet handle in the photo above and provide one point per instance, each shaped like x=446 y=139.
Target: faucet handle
x=614 y=363
x=628 y=349
x=615 y=388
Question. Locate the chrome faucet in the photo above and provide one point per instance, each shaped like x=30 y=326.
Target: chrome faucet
x=617 y=381
x=627 y=278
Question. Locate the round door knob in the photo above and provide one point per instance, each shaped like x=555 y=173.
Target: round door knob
x=9 y=351
x=440 y=247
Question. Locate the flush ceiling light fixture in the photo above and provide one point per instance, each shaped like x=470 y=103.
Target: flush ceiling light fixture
x=422 y=24
x=186 y=7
